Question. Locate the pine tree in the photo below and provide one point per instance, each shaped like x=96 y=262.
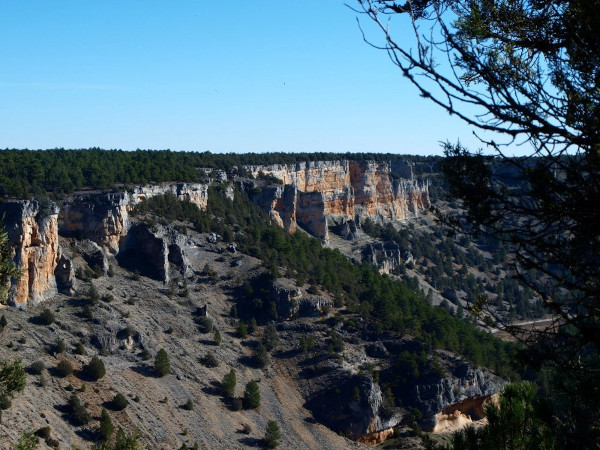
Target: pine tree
x=162 y=366
x=252 y=395
x=228 y=383
x=106 y=426
x=272 y=434
x=217 y=337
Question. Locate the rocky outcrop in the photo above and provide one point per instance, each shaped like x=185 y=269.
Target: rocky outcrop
x=462 y=414
x=385 y=255
x=353 y=405
x=154 y=252
x=463 y=387
x=32 y=229
x=317 y=195
x=291 y=301
x=104 y=218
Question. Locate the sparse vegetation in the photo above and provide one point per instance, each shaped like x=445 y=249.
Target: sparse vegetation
x=210 y=360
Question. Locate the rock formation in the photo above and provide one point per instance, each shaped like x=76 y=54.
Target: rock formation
x=316 y=195
x=464 y=390
x=32 y=229
x=104 y=218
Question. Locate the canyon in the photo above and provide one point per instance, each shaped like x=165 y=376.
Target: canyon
x=97 y=231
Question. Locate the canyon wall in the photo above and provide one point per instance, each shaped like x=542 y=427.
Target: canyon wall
x=317 y=195
x=32 y=229
x=104 y=218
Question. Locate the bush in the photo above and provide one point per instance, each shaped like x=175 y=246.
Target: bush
x=59 y=346
x=189 y=405
x=64 y=368
x=252 y=395
x=210 y=360
x=272 y=434
x=270 y=338
x=3 y=322
x=162 y=366
x=46 y=317
x=119 y=402
x=36 y=368
x=260 y=357
x=5 y=402
x=243 y=330
x=79 y=413
x=79 y=349
x=95 y=369
x=217 y=337
x=205 y=325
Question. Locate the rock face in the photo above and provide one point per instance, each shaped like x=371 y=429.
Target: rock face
x=154 y=252
x=104 y=218
x=385 y=255
x=291 y=301
x=353 y=405
x=465 y=388
x=316 y=195
x=32 y=229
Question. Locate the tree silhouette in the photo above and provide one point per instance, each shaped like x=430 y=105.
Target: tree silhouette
x=523 y=73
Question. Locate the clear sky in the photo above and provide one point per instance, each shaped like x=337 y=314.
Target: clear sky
x=236 y=76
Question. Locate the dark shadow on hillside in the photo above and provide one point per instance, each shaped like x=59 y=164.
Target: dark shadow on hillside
x=251 y=442
x=145 y=370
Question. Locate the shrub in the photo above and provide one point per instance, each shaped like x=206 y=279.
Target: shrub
x=5 y=402
x=228 y=383
x=210 y=360
x=237 y=404
x=243 y=330
x=64 y=368
x=3 y=322
x=95 y=369
x=162 y=366
x=36 y=368
x=205 y=324
x=217 y=338
x=270 y=338
x=272 y=434
x=260 y=357
x=252 y=395
x=79 y=413
x=59 y=346
x=189 y=405
x=79 y=349
x=46 y=317
x=119 y=402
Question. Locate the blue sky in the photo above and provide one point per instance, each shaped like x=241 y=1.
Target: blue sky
x=232 y=76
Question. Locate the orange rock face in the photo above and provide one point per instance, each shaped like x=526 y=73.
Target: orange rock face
x=343 y=190
x=33 y=234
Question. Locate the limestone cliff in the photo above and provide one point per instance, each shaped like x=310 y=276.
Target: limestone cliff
x=32 y=229
x=104 y=218
x=317 y=195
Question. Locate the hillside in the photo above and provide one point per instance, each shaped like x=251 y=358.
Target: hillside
x=129 y=272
